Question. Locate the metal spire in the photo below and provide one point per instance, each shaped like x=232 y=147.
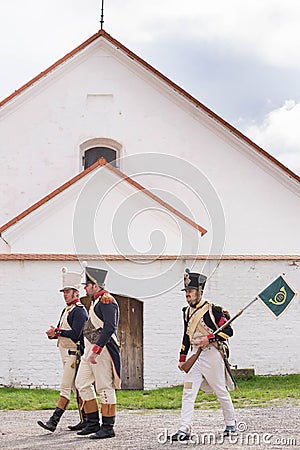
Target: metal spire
x=102 y=15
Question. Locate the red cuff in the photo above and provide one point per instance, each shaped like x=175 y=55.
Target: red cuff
x=211 y=337
x=57 y=332
x=182 y=357
x=97 y=349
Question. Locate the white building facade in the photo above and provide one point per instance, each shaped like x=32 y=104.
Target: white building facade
x=185 y=190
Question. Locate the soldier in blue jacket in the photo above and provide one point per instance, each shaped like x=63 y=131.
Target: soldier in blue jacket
x=70 y=342
x=211 y=371
x=100 y=367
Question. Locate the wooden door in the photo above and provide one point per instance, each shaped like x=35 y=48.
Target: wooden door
x=131 y=339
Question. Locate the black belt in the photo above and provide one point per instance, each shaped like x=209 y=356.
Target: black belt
x=71 y=352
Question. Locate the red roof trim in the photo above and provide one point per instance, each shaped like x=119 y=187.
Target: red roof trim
x=166 y=80
x=100 y=162
x=192 y=99
x=48 y=197
x=74 y=257
x=52 y=67
x=157 y=199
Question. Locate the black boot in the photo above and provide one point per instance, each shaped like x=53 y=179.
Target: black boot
x=81 y=425
x=51 y=424
x=106 y=430
x=180 y=436
x=92 y=425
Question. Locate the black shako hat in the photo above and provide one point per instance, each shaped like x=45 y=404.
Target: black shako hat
x=193 y=280
x=94 y=275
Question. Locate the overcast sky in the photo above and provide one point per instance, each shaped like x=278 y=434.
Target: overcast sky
x=238 y=57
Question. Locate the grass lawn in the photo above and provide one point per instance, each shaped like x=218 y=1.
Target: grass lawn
x=253 y=392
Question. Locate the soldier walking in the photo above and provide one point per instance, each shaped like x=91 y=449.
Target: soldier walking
x=70 y=342
x=101 y=363
x=210 y=371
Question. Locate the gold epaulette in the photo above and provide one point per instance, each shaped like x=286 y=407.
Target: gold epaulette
x=107 y=298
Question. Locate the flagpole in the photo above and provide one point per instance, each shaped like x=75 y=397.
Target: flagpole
x=274 y=293
x=188 y=364
x=234 y=317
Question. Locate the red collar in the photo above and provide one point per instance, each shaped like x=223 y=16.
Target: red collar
x=99 y=294
x=74 y=302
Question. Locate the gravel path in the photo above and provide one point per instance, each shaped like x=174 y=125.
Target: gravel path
x=260 y=428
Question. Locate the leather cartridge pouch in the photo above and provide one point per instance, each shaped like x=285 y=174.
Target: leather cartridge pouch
x=90 y=332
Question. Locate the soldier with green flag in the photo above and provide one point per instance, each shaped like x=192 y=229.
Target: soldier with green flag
x=210 y=368
x=277 y=297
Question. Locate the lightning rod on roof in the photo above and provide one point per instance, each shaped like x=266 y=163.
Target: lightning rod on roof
x=102 y=15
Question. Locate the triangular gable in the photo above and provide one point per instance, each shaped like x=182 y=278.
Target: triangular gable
x=156 y=73
x=74 y=180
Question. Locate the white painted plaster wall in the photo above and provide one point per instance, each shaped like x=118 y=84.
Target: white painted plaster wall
x=102 y=93
x=102 y=214
x=32 y=302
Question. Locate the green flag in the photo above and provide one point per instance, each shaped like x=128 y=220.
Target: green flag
x=277 y=296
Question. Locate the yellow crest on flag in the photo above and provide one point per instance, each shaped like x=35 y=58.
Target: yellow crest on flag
x=280 y=297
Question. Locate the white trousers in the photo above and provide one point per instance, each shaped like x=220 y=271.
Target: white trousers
x=68 y=379
x=209 y=368
x=101 y=374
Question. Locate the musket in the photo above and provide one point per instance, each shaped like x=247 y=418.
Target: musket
x=188 y=364
x=78 y=399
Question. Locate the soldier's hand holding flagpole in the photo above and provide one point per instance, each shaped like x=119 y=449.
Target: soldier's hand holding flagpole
x=277 y=297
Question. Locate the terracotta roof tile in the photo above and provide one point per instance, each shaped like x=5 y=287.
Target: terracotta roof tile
x=102 y=33
x=100 y=162
x=52 y=67
x=73 y=257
